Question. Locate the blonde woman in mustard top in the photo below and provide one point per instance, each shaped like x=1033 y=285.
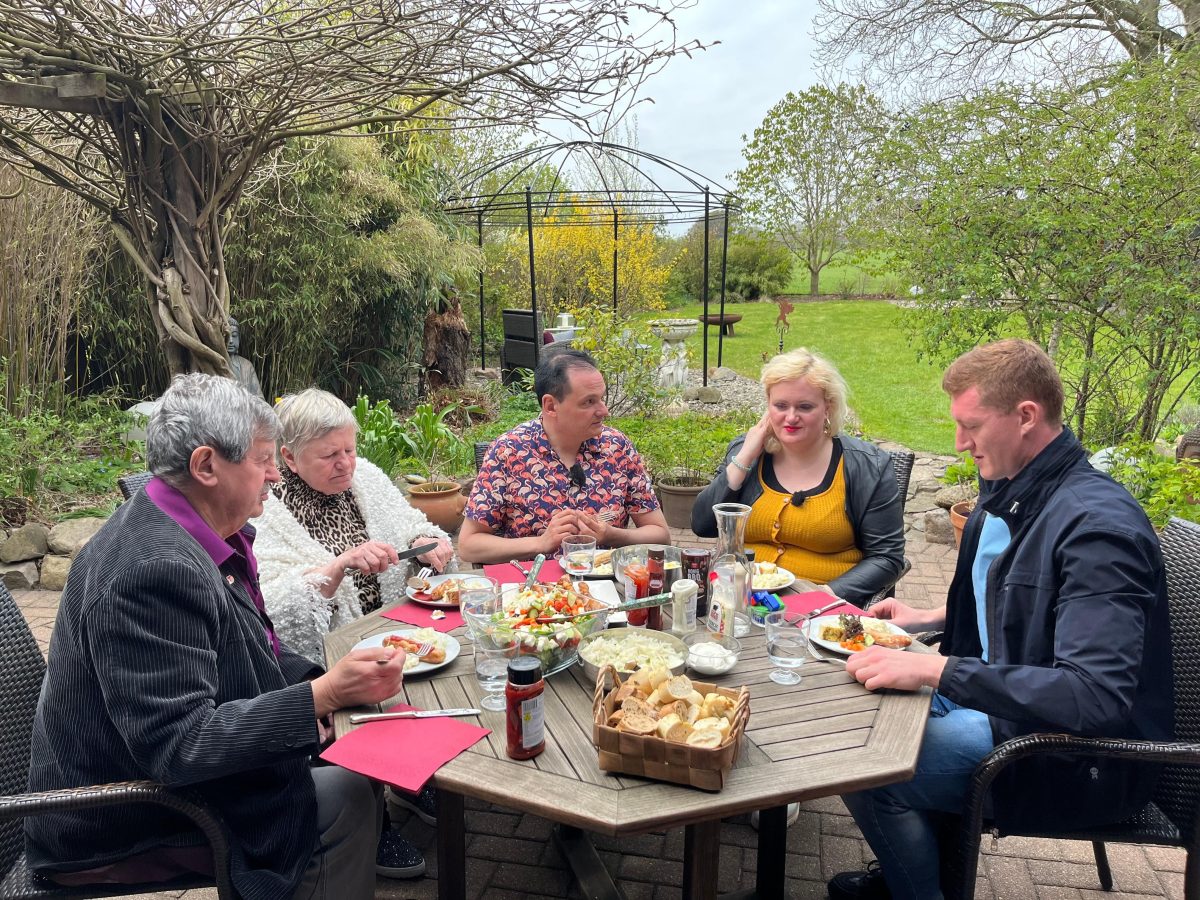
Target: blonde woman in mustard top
x=824 y=505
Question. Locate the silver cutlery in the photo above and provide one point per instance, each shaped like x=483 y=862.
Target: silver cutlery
x=402 y=555
x=424 y=648
x=816 y=612
x=608 y=515
x=359 y=718
x=520 y=568
x=419 y=581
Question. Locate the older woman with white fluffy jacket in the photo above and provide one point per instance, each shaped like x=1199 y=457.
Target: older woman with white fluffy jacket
x=332 y=514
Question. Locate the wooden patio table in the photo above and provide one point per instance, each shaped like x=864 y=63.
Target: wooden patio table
x=827 y=735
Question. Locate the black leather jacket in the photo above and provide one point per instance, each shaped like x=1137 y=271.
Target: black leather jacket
x=1078 y=636
x=873 y=506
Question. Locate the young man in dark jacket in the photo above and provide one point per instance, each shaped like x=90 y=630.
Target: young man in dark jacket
x=1056 y=620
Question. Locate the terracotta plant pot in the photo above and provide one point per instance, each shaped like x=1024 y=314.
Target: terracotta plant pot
x=677 y=502
x=958 y=518
x=442 y=502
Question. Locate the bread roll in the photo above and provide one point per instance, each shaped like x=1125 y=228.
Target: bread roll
x=706 y=737
x=679 y=687
x=637 y=723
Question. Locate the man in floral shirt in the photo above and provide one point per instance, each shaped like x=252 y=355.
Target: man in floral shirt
x=564 y=473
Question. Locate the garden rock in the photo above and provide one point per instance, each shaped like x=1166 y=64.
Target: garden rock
x=26 y=542
x=54 y=572
x=723 y=373
x=19 y=576
x=708 y=394
x=954 y=493
x=67 y=538
x=938 y=529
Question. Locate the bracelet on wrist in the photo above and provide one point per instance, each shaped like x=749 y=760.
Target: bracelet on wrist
x=738 y=464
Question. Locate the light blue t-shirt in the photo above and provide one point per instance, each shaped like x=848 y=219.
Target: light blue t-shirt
x=993 y=538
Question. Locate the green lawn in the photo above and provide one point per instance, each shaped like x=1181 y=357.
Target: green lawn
x=895 y=396
x=839 y=279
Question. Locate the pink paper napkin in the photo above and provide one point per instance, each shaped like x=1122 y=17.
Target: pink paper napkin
x=507 y=573
x=422 y=616
x=403 y=752
x=800 y=604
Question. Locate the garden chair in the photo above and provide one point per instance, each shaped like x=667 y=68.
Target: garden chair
x=902 y=465
x=481 y=449
x=1171 y=818
x=20 y=683
x=131 y=484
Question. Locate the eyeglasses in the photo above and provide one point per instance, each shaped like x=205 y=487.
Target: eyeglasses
x=798 y=498
x=578 y=478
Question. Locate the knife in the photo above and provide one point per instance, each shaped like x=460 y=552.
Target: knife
x=359 y=718
x=816 y=612
x=404 y=554
x=531 y=578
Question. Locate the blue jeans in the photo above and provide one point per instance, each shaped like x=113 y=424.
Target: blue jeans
x=894 y=819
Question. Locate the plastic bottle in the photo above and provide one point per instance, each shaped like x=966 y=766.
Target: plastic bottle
x=722 y=601
x=683 y=606
x=526 y=716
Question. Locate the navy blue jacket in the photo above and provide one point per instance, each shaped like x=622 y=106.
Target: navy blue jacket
x=1078 y=636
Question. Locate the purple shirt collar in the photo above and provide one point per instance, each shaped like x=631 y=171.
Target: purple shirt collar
x=239 y=547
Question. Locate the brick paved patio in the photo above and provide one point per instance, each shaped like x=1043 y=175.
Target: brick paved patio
x=511 y=856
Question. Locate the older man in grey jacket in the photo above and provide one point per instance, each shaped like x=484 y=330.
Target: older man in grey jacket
x=163 y=665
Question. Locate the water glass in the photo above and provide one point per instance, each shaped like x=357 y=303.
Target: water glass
x=787 y=647
x=479 y=595
x=495 y=644
x=578 y=554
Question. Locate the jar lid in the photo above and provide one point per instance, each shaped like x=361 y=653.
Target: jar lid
x=525 y=670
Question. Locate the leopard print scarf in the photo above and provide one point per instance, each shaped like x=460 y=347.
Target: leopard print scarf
x=335 y=522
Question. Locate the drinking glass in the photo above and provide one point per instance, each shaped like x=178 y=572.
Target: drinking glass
x=495 y=644
x=577 y=556
x=787 y=647
x=479 y=595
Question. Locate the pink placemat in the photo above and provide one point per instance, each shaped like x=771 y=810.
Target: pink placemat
x=506 y=573
x=403 y=752
x=422 y=616
x=801 y=604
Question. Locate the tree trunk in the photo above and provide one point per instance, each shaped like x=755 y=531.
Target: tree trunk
x=447 y=346
x=814 y=282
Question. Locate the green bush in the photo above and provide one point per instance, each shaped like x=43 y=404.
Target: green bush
x=381 y=438
x=627 y=353
x=1162 y=485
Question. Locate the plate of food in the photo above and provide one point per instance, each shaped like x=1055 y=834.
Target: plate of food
x=441 y=593
x=601 y=565
x=849 y=634
x=770 y=577
x=443 y=648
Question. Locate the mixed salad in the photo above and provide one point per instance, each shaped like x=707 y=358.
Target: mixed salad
x=551 y=642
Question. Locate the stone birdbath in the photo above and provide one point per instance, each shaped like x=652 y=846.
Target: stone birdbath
x=673 y=364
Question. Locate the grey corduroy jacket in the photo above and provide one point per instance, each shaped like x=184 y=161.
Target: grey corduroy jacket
x=873 y=506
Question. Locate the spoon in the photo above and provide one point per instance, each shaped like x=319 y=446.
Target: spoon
x=417 y=582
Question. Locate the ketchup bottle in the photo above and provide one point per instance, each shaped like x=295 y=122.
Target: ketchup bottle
x=656 y=569
x=639 y=580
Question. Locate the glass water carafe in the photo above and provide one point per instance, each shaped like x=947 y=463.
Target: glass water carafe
x=730 y=556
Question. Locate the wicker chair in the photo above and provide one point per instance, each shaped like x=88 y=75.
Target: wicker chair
x=131 y=484
x=1171 y=818
x=902 y=465
x=481 y=449
x=20 y=683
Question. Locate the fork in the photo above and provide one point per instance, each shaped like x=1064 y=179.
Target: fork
x=422 y=650
x=836 y=660
x=608 y=515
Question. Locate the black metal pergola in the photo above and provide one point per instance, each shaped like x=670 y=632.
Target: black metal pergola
x=663 y=193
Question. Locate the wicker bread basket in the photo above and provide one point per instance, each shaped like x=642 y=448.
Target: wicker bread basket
x=650 y=756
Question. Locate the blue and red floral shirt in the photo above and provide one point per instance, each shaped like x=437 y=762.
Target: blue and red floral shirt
x=522 y=481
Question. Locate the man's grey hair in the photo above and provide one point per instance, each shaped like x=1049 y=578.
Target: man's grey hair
x=204 y=411
x=309 y=416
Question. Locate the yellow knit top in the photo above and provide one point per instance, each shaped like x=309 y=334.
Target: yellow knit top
x=814 y=540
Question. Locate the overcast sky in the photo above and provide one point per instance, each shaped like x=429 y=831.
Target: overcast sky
x=703 y=105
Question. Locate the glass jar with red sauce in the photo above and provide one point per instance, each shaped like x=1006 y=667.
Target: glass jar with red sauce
x=526 y=715
x=638 y=579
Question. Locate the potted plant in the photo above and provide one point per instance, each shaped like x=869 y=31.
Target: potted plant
x=429 y=440
x=678 y=486
x=962 y=480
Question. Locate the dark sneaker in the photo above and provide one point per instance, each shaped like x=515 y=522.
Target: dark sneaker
x=398 y=858
x=423 y=804
x=868 y=885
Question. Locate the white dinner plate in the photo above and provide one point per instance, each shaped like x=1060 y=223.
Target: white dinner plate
x=453 y=648
x=814 y=633
x=774 y=581
x=434 y=581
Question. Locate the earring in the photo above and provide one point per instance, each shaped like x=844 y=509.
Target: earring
x=827 y=425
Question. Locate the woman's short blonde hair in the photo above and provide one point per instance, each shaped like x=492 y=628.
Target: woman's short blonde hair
x=310 y=415
x=802 y=364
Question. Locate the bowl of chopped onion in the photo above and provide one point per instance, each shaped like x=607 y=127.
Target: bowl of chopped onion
x=630 y=649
